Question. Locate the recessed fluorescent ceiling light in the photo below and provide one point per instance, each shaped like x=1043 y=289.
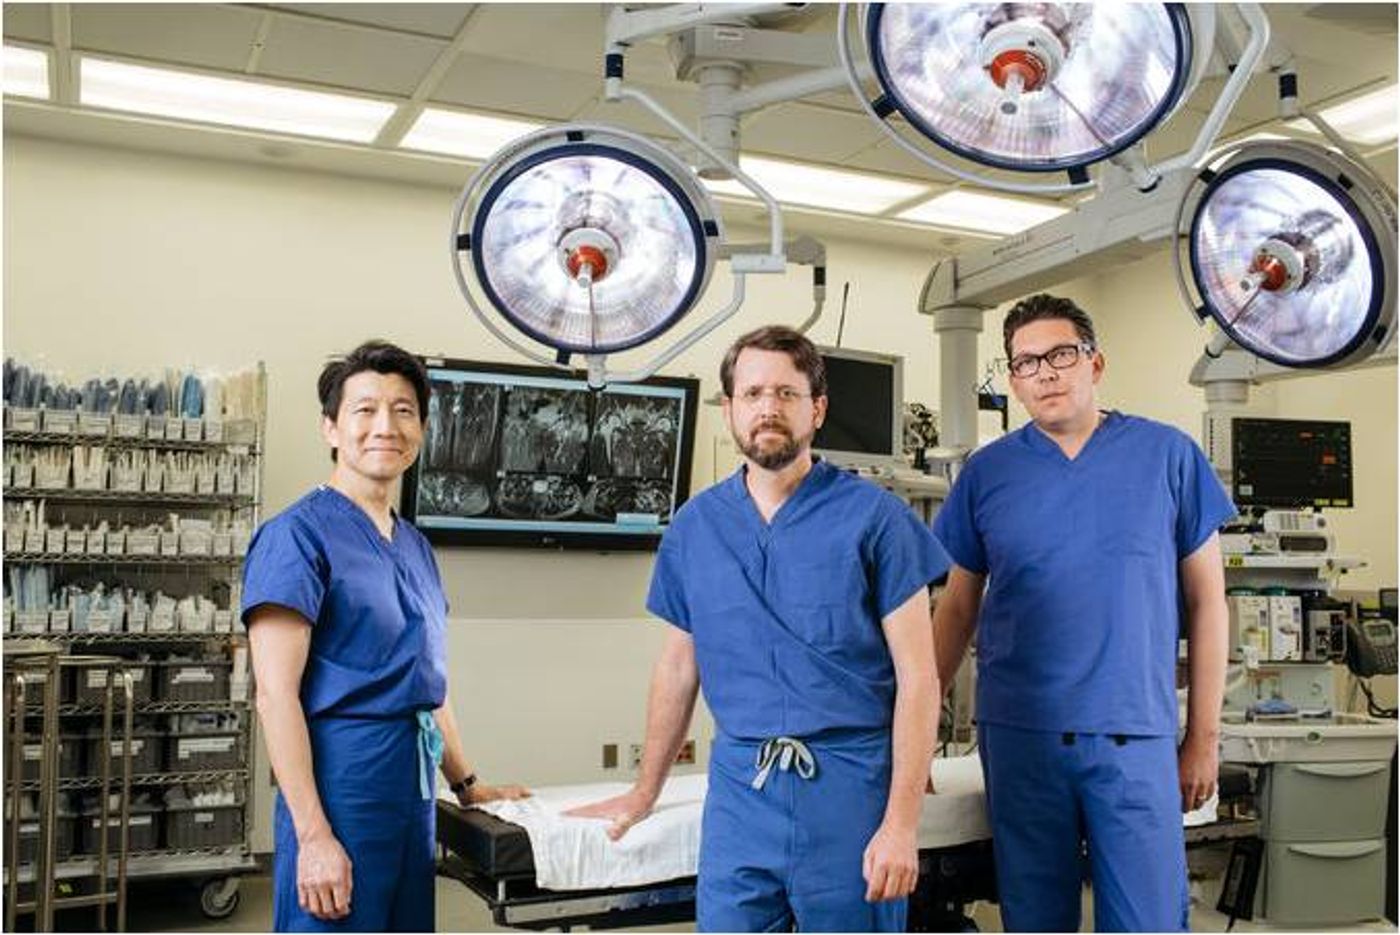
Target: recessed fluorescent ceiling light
x=474 y=136
x=26 y=72
x=188 y=96
x=797 y=184
x=1369 y=119
x=974 y=211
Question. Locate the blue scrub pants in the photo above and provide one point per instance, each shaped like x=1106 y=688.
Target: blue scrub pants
x=367 y=773
x=789 y=855
x=1047 y=793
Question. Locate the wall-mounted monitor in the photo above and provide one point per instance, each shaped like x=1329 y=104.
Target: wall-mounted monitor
x=528 y=456
x=864 y=427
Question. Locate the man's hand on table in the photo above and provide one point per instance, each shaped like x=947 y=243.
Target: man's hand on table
x=624 y=811
x=477 y=793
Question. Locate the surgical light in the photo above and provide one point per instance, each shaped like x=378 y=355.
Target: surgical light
x=585 y=238
x=1030 y=86
x=1292 y=252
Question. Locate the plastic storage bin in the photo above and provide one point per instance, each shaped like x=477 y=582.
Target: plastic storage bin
x=187 y=753
x=194 y=680
x=192 y=823
x=70 y=751
x=143 y=827
x=91 y=684
x=146 y=752
x=64 y=833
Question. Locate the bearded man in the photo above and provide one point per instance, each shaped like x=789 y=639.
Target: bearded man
x=797 y=598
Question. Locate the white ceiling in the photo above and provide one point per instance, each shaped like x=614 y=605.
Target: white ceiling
x=542 y=61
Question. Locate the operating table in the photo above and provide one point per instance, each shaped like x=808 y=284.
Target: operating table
x=496 y=860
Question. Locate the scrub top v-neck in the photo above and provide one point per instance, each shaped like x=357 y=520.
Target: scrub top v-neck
x=786 y=615
x=376 y=606
x=1079 y=624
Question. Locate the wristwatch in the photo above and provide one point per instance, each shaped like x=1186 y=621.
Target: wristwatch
x=463 y=786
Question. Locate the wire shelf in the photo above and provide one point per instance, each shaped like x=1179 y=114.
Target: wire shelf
x=75 y=558
x=126 y=441
x=127 y=497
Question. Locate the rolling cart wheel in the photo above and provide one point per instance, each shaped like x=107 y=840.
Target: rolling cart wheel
x=218 y=898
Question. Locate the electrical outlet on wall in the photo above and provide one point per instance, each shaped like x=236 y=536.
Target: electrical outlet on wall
x=634 y=756
x=686 y=754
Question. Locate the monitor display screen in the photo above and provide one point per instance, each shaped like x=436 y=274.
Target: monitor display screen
x=1290 y=463
x=529 y=456
x=865 y=399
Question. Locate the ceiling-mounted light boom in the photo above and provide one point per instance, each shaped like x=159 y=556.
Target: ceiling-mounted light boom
x=1291 y=251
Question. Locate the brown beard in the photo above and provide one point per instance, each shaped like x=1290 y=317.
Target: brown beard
x=773 y=459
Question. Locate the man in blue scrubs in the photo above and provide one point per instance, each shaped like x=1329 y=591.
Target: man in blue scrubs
x=1094 y=536
x=797 y=595
x=345 y=614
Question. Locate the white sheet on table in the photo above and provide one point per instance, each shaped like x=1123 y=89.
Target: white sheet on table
x=957 y=811
x=575 y=853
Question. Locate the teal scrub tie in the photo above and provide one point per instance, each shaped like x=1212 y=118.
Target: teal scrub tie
x=430 y=747
x=786 y=753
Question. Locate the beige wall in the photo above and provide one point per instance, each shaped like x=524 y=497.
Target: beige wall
x=125 y=262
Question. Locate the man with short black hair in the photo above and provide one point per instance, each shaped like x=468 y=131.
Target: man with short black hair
x=1094 y=536
x=797 y=598
x=346 y=626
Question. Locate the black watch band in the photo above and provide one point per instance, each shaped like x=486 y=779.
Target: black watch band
x=461 y=786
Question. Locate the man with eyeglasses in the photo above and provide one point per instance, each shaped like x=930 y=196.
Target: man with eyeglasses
x=1081 y=543
x=797 y=595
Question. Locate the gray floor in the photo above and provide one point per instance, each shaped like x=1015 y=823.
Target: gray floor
x=459 y=910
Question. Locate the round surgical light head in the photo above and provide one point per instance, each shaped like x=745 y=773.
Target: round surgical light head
x=587 y=239
x=1030 y=86
x=1292 y=252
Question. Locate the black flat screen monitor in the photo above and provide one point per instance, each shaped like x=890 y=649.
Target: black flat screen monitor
x=865 y=409
x=528 y=456
x=1291 y=463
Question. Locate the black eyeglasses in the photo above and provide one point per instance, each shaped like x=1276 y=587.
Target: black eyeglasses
x=1060 y=357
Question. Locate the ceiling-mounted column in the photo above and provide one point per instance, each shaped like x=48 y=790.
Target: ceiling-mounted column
x=957 y=327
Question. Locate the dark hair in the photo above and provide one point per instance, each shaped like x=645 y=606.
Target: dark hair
x=803 y=353
x=1041 y=307
x=381 y=357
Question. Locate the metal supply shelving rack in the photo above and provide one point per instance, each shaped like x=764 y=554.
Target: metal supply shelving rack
x=31 y=885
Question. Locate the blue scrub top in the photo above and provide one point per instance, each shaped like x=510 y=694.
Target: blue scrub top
x=377 y=607
x=1079 y=624
x=786 y=616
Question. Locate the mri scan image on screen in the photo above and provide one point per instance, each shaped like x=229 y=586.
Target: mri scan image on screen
x=530 y=456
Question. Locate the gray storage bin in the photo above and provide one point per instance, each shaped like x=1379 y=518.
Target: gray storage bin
x=146 y=753
x=91 y=684
x=186 y=753
x=212 y=826
x=143 y=828
x=70 y=752
x=1324 y=801
x=202 y=680
x=27 y=840
x=27 y=843
x=1323 y=883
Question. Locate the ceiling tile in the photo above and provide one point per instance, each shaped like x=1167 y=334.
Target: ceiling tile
x=30 y=22
x=329 y=53
x=431 y=19
x=205 y=35
x=479 y=82
x=800 y=131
